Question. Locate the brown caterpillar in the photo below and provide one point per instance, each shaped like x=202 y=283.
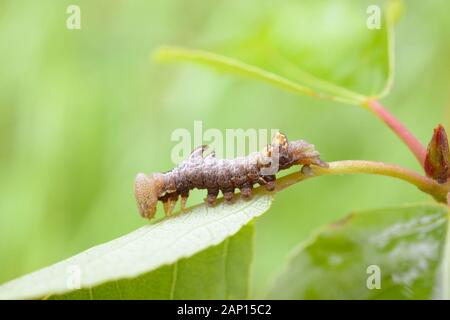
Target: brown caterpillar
x=223 y=175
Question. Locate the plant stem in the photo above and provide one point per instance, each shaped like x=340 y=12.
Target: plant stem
x=438 y=191
x=402 y=132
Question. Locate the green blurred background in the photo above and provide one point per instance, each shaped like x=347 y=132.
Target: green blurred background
x=82 y=111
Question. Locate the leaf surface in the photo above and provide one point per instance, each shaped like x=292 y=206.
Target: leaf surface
x=197 y=254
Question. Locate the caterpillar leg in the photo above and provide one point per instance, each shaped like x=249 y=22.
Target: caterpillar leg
x=212 y=196
x=268 y=182
x=169 y=203
x=306 y=170
x=228 y=195
x=184 y=197
x=246 y=192
x=270 y=186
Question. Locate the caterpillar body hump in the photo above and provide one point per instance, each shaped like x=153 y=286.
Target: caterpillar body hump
x=221 y=175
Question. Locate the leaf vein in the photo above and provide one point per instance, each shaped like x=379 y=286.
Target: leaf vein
x=174 y=280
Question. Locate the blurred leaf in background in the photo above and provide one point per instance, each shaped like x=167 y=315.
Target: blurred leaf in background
x=82 y=111
x=390 y=253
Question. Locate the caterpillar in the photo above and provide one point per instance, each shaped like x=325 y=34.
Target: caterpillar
x=225 y=175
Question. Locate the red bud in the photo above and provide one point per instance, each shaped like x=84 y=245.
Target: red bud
x=436 y=161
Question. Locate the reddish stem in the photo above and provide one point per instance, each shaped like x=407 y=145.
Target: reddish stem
x=400 y=130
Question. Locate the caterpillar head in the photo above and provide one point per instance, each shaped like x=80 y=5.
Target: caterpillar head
x=303 y=153
x=289 y=153
x=147 y=189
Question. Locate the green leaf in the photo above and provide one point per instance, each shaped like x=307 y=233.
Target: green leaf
x=282 y=51
x=223 y=63
x=199 y=254
x=406 y=244
x=394 y=9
